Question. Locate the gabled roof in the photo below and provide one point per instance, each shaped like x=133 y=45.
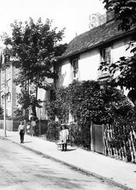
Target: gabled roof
x=93 y=38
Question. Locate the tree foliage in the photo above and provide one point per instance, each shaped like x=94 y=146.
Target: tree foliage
x=36 y=47
x=87 y=101
x=125 y=12
x=124 y=70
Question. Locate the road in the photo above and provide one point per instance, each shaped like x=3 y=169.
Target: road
x=21 y=169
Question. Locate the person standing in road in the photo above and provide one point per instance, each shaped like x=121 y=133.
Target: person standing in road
x=21 y=130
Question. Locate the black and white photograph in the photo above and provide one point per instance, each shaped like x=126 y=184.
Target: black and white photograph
x=68 y=95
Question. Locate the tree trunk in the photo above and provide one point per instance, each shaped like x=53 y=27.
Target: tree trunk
x=34 y=110
x=34 y=106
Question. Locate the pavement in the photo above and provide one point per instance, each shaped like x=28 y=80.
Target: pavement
x=120 y=173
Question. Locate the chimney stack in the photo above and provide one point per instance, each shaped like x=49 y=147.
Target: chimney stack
x=109 y=15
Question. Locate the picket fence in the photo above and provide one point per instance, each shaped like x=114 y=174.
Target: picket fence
x=124 y=149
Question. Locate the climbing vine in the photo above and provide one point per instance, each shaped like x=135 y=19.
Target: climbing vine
x=88 y=101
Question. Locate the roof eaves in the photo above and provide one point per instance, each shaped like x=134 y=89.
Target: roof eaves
x=104 y=42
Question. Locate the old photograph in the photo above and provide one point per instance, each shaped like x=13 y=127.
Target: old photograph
x=68 y=95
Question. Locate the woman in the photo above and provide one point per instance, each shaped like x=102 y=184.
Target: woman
x=28 y=128
x=21 y=130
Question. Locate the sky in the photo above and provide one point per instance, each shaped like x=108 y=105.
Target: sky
x=73 y=15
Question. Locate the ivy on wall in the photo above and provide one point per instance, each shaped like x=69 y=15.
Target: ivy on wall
x=88 y=101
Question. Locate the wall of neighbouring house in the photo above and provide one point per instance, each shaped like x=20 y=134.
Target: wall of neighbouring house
x=8 y=90
x=11 y=95
x=16 y=89
x=65 y=74
x=41 y=112
x=12 y=90
x=43 y=95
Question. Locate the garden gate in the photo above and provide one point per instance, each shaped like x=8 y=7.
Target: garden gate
x=97 y=134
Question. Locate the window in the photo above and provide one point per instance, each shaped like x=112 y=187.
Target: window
x=105 y=54
x=74 y=63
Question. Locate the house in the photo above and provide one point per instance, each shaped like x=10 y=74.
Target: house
x=85 y=52
x=82 y=59
x=8 y=90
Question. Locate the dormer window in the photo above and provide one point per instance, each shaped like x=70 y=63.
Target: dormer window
x=74 y=63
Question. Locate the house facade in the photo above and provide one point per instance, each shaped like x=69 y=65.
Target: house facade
x=8 y=91
x=85 y=52
x=82 y=59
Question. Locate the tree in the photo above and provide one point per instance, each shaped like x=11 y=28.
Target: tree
x=36 y=47
x=124 y=10
x=125 y=15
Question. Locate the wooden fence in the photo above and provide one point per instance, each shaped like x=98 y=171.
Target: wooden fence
x=120 y=144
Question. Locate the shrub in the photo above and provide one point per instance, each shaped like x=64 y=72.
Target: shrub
x=74 y=134
x=88 y=102
x=52 y=131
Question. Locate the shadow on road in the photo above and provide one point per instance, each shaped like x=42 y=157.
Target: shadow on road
x=70 y=149
x=27 y=142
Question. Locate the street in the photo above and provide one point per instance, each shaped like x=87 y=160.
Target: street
x=21 y=169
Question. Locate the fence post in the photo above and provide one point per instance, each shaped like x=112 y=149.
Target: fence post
x=92 y=136
x=103 y=129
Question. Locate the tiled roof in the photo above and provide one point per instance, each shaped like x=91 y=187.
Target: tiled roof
x=93 y=38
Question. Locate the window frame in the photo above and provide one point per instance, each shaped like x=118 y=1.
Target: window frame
x=105 y=56
x=75 y=66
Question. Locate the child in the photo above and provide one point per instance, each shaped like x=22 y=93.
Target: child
x=64 y=133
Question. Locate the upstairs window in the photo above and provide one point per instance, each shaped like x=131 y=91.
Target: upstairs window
x=74 y=63
x=105 y=54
